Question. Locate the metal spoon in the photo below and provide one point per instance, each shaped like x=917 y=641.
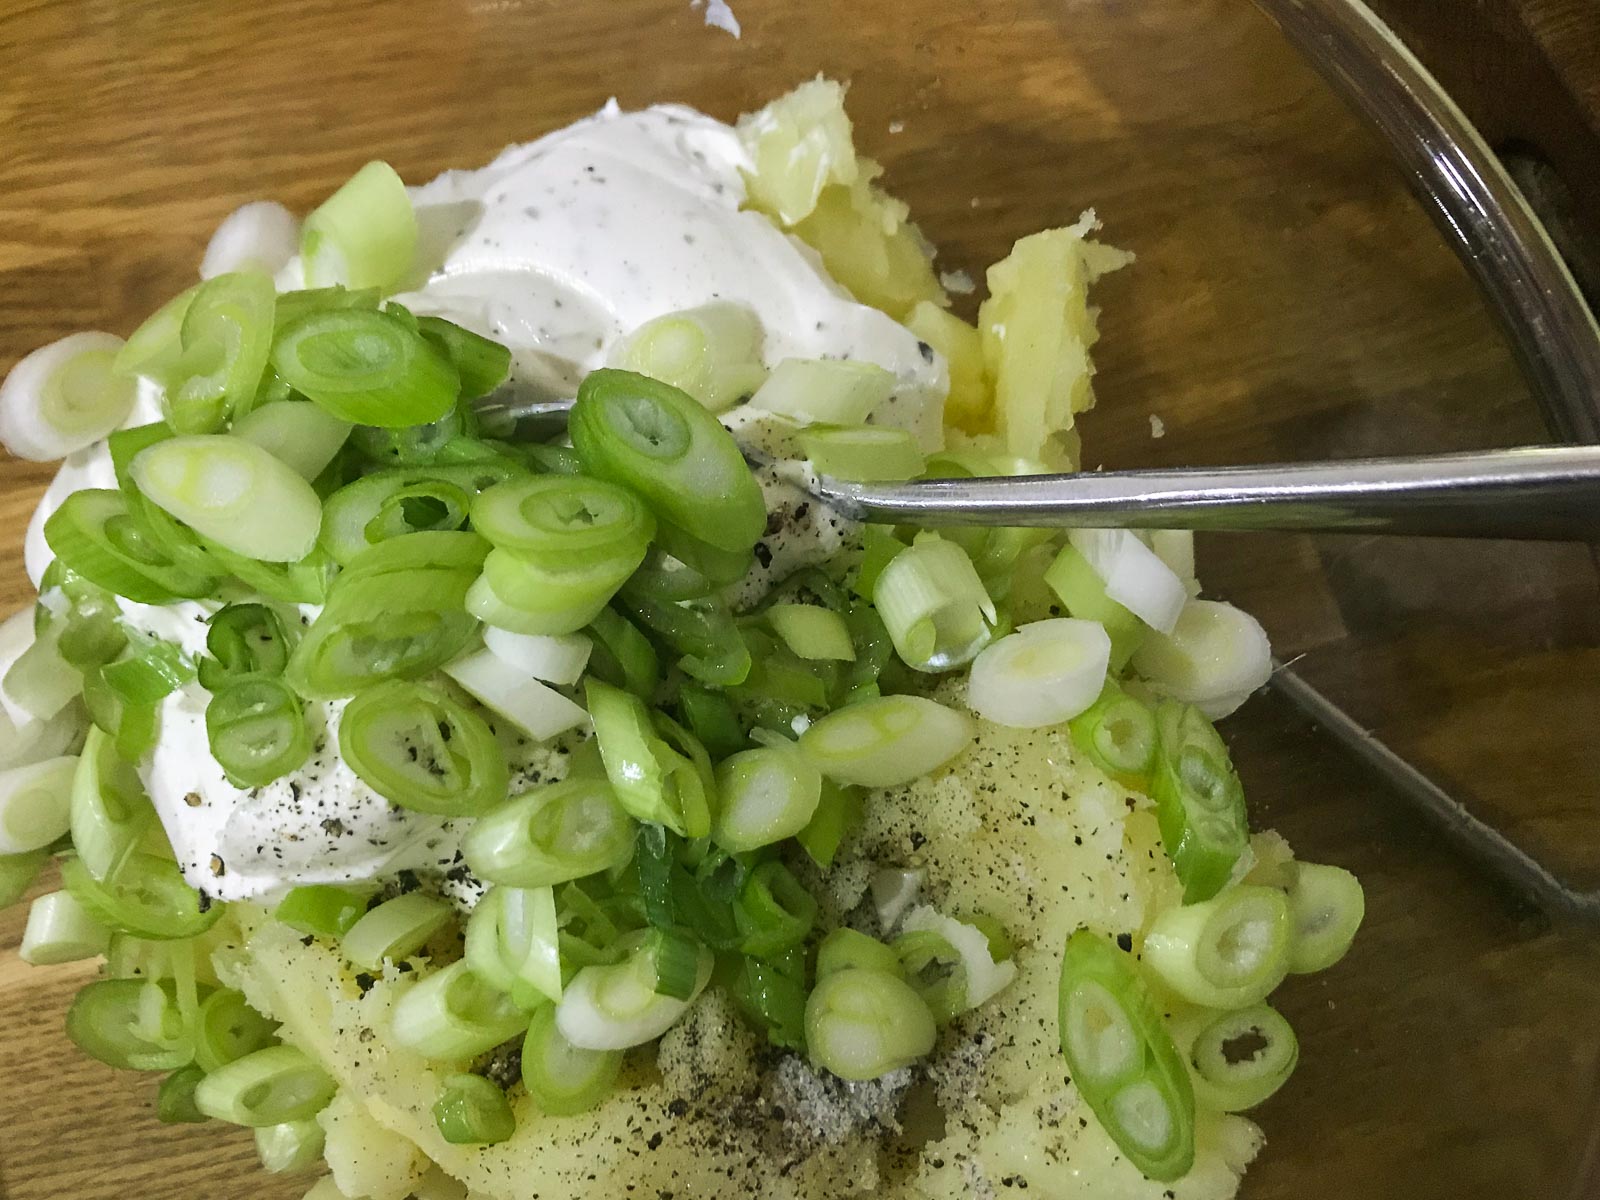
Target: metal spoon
x=1549 y=493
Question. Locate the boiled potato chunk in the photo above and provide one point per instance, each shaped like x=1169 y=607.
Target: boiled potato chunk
x=798 y=144
x=969 y=406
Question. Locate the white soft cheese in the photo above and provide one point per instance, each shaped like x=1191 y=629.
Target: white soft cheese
x=557 y=249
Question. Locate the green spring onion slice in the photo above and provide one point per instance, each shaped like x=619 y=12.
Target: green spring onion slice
x=410 y=445
x=268 y=1087
x=618 y=1006
x=863 y=1023
x=220 y=353
x=175 y=1097
x=712 y=352
x=290 y=1146
x=656 y=440
x=879 y=548
x=844 y=948
x=362 y=236
x=130 y=1024
x=394 y=930
x=767 y=794
x=703 y=633
x=1239 y=1059
x=403 y=500
x=322 y=909
x=712 y=564
x=839 y=811
x=1199 y=800
x=17 y=875
x=551 y=834
x=304 y=301
x=454 y=1015
x=1123 y=1062
x=622 y=656
x=1327 y=905
x=592 y=925
x=933 y=967
x=563 y=520
x=366 y=367
x=483 y=365
x=1118 y=734
x=227 y=1029
x=887 y=741
x=243 y=639
x=771 y=993
x=472 y=1111
x=653 y=781
x=156 y=341
x=94 y=535
x=418 y=748
x=109 y=811
x=513 y=944
x=1227 y=952
x=548 y=600
x=144 y=895
x=774 y=912
x=934 y=606
x=562 y=1079
x=303 y=436
x=124 y=446
x=710 y=716
x=89 y=633
x=866 y=453
x=812 y=632
x=256 y=730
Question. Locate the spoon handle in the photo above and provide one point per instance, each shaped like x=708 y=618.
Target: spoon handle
x=1536 y=493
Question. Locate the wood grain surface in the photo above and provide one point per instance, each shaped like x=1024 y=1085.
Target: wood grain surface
x=1289 y=302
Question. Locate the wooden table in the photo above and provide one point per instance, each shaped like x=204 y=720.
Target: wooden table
x=1290 y=301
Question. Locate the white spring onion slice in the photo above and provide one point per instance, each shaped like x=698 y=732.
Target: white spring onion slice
x=863 y=1023
x=894 y=890
x=1215 y=656
x=615 y=1007
x=64 y=397
x=767 y=794
x=299 y=433
x=1326 y=905
x=812 y=632
x=934 y=605
x=60 y=931
x=826 y=390
x=554 y=658
x=1100 y=1036
x=539 y=711
x=35 y=741
x=985 y=978
x=233 y=492
x=39 y=683
x=712 y=352
x=512 y=944
x=291 y=1146
x=35 y=804
x=1043 y=674
x=455 y=1014
x=396 y=929
x=1134 y=576
x=1175 y=547
x=263 y=235
x=364 y=235
x=886 y=741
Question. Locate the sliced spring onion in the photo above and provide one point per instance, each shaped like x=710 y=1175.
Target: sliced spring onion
x=710 y=717
x=562 y=1078
x=366 y=367
x=1199 y=801
x=1326 y=905
x=175 y=1097
x=35 y=803
x=652 y=780
x=561 y=520
x=290 y=1147
x=1175 y=547
x=64 y=397
x=1133 y=576
x=975 y=977
x=39 y=683
x=145 y=895
x=472 y=1111
x=1118 y=734
x=773 y=912
x=844 y=948
x=866 y=453
x=1083 y=594
x=525 y=596
x=688 y=557
x=513 y=944
x=227 y=1029
x=616 y=1007
x=453 y=1014
x=409 y=445
x=394 y=930
x=17 y=873
x=886 y=741
x=268 y=1087
x=553 y=833
x=244 y=639
x=654 y=439
x=863 y=1023
x=702 y=631
x=558 y=659
x=770 y=993
x=1123 y=1062
x=1227 y=952
x=109 y=812
x=712 y=352
x=1215 y=656
x=1241 y=1058
x=826 y=390
x=303 y=436
x=364 y=235
x=59 y=930
x=539 y=711
x=934 y=605
x=262 y=235
x=233 y=492
x=217 y=361
x=322 y=909
x=94 y=535
x=1043 y=674
x=90 y=623
x=256 y=730
x=157 y=340
x=130 y=1024
x=766 y=794
x=482 y=364
x=838 y=813
x=894 y=890
x=303 y=582
x=812 y=632
x=880 y=547
x=622 y=656
x=404 y=500
x=418 y=748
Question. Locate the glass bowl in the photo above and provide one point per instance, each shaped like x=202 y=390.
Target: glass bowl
x=1291 y=301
